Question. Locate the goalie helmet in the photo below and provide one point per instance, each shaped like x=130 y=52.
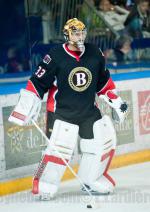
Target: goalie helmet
x=75 y=33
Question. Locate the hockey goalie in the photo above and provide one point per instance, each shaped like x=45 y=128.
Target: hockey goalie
x=72 y=74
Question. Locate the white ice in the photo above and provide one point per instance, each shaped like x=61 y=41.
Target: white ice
x=132 y=194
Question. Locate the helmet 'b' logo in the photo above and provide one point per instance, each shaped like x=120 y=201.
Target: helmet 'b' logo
x=80 y=78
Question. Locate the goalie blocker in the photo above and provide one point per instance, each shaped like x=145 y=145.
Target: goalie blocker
x=27 y=108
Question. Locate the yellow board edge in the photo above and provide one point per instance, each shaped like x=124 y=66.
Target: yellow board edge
x=22 y=184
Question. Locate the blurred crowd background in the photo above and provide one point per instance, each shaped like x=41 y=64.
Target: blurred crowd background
x=121 y=28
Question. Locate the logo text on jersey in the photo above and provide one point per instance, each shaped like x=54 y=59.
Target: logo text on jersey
x=80 y=78
x=47 y=59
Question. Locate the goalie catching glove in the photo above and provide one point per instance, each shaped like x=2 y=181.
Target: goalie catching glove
x=119 y=107
x=27 y=108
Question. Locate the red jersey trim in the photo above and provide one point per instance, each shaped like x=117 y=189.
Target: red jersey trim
x=51 y=101
x=108 y=86
x=72 y=53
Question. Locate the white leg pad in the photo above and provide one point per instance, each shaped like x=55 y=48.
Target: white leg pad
x=51 y=169
x=97 y=155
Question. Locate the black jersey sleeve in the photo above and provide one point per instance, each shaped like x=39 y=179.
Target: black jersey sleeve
x=104 y=73
x=44 y=75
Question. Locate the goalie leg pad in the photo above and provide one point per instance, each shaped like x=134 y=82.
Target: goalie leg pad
x=97 y=156
x=51 y=169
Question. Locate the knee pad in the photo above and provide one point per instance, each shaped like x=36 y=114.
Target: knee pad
x=51 y=168
x=97 y=153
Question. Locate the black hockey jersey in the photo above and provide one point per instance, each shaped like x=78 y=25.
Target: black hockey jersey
x=71 y=80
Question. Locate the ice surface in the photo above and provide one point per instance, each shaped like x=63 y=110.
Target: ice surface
x=132 y=194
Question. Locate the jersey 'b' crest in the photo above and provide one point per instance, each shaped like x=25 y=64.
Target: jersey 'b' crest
x=80 y=78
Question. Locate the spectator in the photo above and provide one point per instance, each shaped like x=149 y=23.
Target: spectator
x=13 y=65
x=130 y=3
x=138 y=21
x=122 y=52
x=123 y=3
x=113 y=14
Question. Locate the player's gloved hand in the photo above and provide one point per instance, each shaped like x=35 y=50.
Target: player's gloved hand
x=120 y=107
x=120 y=114
x=27 y=108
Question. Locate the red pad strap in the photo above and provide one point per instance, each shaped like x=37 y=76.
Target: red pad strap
x=110 y=155
x=18 y=115
x=111 y=95
x=35 y=186
x=54 y=159
x=109 y=178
